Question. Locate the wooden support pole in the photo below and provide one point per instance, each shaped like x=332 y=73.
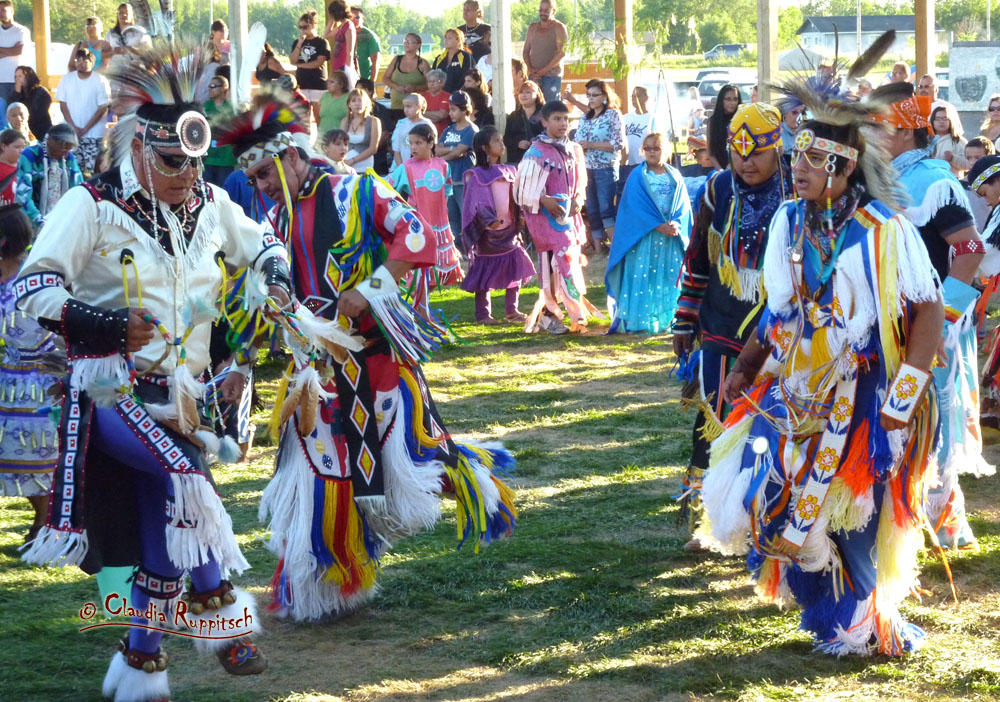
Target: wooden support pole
x=926 y=39
x=502 y=53
x=767 y=47
x=237 y=43
x=623 y=45
x=41 y=34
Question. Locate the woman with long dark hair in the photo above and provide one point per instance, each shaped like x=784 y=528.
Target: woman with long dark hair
x=343 y=38
x=482 y=115
x=126 y=33
x=726 y=104
x=310 y=54
x=269 y=68
x=29 y=91
x=601 y=135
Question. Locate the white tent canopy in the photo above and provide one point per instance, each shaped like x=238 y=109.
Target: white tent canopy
x=798 y=59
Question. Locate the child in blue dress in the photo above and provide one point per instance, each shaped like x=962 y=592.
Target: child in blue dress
x=653 y=225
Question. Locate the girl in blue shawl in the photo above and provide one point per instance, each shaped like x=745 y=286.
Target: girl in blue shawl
x=651 y=236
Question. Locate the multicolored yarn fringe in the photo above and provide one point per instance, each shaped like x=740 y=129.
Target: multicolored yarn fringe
x=473 y=517
x=241 y=310
x=413 y=338
x=345 y=549
x=361 y=250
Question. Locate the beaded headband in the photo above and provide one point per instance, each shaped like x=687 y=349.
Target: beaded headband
x=985 y=176
x=258 y=152
x=806 y=139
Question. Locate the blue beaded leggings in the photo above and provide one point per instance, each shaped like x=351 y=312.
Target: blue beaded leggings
x=152 y=488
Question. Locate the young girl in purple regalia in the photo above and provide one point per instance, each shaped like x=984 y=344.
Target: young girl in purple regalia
x=491 y=227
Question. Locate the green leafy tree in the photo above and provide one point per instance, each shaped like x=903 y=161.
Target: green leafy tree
x=789 y=21
x=717 y=29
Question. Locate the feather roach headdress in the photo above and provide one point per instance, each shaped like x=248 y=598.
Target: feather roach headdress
x=154 y=96
x=274 y=122
x=828 y=99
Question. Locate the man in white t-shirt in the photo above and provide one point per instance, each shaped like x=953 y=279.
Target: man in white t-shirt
x=12 y=38
x=83 y=98
x=636 y=128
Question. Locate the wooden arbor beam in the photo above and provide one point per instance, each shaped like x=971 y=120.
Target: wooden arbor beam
x=41 y=35
x=767 y=47
x=926 y=38
x=502 y=53
x=237 y=45
x=623 y=43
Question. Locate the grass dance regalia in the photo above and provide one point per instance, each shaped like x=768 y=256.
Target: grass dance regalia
x=937 y=205
x=807 y=475
x=721 y=292
x=142 y=247
x=363 y=454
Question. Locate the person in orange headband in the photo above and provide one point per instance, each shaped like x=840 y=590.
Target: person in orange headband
x=939 y=207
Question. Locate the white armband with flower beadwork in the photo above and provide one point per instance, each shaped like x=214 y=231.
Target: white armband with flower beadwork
x=380 y=284
x=905 y=393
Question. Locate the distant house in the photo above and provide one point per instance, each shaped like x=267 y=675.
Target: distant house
x=817 y=33
x=427 y=44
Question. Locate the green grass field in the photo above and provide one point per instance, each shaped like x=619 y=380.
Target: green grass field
x=592 y=599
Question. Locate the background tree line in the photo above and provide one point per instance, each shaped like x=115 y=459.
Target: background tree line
x=685 y=26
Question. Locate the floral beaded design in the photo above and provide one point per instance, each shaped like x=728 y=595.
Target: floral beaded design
x=808 y=508
x=906 y=388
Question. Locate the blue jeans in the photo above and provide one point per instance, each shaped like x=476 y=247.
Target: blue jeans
x=551 y=87
x=624 y=171
x=602 y=184
x=455 y=214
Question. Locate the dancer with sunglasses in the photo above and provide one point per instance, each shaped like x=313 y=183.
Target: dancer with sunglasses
x=143 y=247
x=363 y=454
x=819 y=473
